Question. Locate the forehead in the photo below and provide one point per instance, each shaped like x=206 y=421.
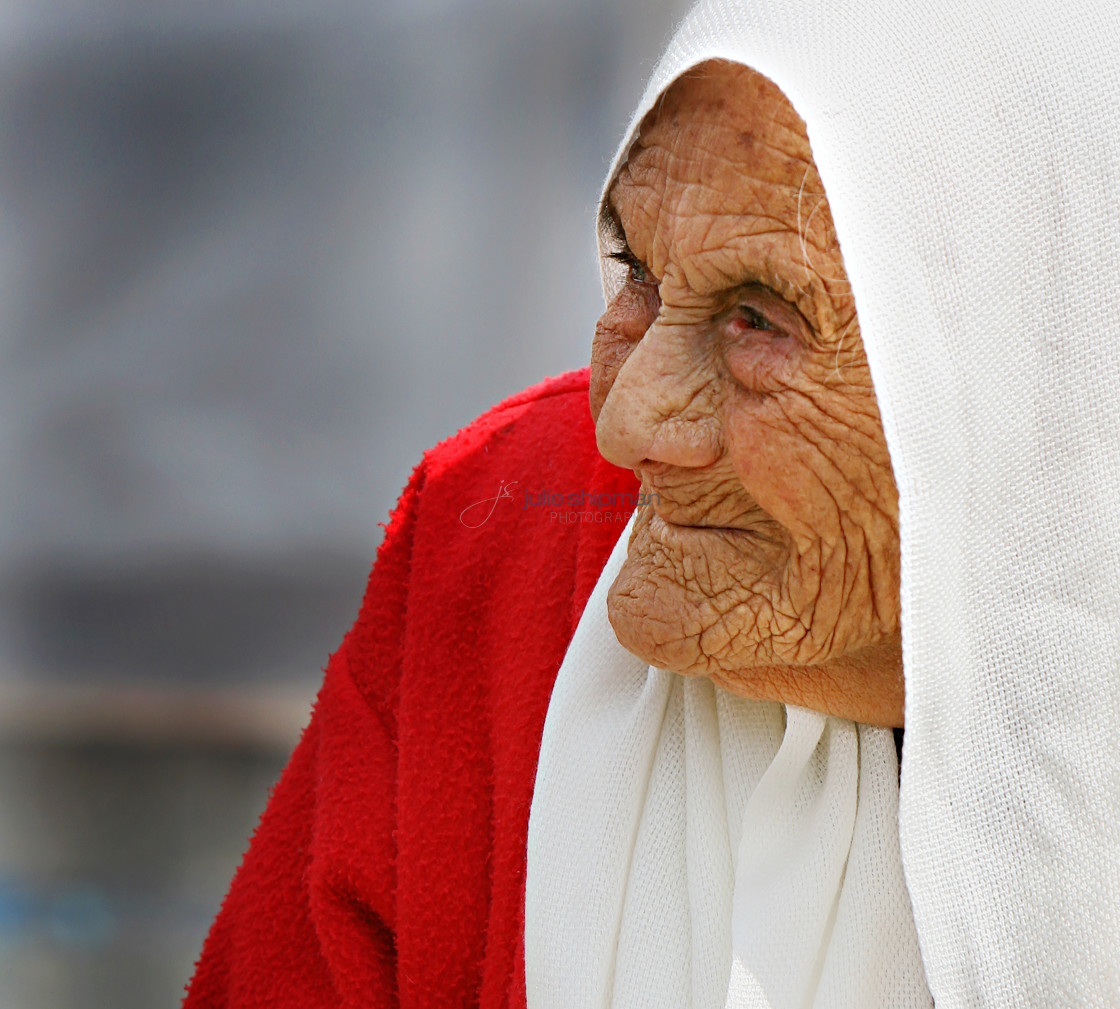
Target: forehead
x=722 y=142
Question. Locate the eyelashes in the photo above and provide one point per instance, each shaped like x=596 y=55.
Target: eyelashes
x=755 y=319
x=624 y=255
x=637 y=271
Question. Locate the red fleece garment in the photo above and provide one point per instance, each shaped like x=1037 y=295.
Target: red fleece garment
x=389 y=866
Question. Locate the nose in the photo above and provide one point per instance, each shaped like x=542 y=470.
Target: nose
x=661 y=407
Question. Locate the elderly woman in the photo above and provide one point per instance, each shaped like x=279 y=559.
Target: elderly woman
x=714 y=797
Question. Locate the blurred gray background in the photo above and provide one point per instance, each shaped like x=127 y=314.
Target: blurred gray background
x=254 y=259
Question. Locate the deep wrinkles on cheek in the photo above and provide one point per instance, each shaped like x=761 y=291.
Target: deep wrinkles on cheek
x=843 y=470
x=834 y=569
x=858 y=587
x=832 y=586
x=852 y=457
x=858 y=529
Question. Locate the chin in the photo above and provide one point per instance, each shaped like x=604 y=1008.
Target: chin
x=652 y=639
x=664 y=602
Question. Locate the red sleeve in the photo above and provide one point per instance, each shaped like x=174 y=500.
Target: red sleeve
x=309 y=921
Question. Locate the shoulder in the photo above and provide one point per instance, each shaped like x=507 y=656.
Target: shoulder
x=522 y=487
x=496 y=542
x=544 y=428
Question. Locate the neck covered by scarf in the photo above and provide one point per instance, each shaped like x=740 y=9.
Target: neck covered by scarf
x=688 y=848
x=692 y=848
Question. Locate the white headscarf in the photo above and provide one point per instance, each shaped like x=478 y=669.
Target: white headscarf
x=689 y=848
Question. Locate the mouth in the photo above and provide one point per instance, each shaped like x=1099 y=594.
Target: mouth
x=661 y=527
x=680 y=534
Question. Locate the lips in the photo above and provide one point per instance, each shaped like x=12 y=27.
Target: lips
x=681 y=531
x=663 y=529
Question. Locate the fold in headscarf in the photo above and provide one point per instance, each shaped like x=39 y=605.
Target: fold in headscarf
x=689 y=848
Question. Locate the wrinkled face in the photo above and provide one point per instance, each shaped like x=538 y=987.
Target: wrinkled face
x=729 y=374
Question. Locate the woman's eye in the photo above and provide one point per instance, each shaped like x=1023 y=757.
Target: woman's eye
x=754 y=319
x=636 y=271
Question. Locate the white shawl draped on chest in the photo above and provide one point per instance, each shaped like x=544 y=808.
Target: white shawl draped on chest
x=689 y=849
